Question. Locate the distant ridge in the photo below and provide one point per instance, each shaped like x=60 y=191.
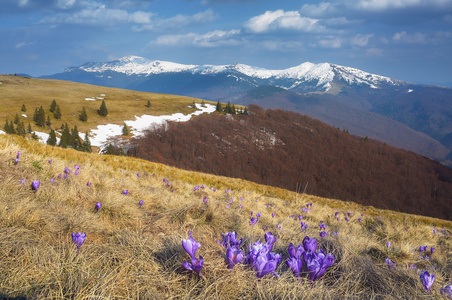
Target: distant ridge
x=411 y=116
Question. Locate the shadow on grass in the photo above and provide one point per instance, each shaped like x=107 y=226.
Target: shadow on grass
x=5 y=297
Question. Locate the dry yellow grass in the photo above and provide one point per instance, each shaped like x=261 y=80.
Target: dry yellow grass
x=70 y=96
x=136 y=253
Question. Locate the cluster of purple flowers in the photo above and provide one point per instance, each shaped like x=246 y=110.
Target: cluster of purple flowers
x=447 y=291
x=191 y=246
x=78 y=239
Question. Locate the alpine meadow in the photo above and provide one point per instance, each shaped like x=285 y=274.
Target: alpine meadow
x=81 y=225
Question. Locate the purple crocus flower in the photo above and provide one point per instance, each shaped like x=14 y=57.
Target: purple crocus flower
x=16 y=160
x=304 y=210
x=432 y=250
x=304 y=226
x=67 y=170
x=140 y=203
x=317 y=263
x=265 y=227
x=196 y=188
x=233 y=256
x=59 y=176
x=300 y=217
x=273 y=215
x=322 y=226
x=323 y=234
x=22 y=181
x=253 y=221
x=258 y=215
x=78 y=239
x=18 y=154
x=191 y=246
x=35 y=185
x=98 y=205
x=347 y=219
x=88 y=183
x=422 y=248
x=309 y=244
x=195 y=265
x=295 y=261
x=50 y=161
x=52 y=180
x=270 y=239
x=230 y=240
x=427 y=280
x=388 y=244
x=447 y=291
x=267 y=264
x=125 y=192
x=138 y=175
x=390 y=264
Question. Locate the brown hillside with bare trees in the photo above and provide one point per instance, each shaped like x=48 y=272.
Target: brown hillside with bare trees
x=295 y=152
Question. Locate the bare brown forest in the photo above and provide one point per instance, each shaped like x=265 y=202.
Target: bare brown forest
x=295 y=152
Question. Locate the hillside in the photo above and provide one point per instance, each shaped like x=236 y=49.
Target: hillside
x=72 y=97
x=294 y=152
x=136 y=252
x=411 y=116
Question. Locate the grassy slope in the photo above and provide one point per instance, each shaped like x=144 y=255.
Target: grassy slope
x=133 y=252
x=70 y=96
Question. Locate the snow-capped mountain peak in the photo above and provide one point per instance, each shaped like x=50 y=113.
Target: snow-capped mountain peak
x=319 y=76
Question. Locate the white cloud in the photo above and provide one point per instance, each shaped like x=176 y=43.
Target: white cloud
x=100 y=16
x=332 y=42
x=24 y=44
x=361 y=40
x=211 y=39
x=65 y=4
x=380 y=5
x=416 y=38
x=279 y=19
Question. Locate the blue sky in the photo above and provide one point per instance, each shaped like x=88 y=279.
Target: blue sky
x=409 y=40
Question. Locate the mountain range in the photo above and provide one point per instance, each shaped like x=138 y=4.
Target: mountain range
x=406 y=115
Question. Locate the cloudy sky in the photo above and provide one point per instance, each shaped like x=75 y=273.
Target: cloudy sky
x=409 y=40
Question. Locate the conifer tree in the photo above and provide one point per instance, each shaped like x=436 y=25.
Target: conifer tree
x=76 y=143
x=57 y=113
x=34 y=136
x=103 y=111
x=148 y=104
x=29 y=128
x=245 y=112
x=48 y=123
x=110 y=150
x=219 y=107
x=24 y=109
x=86 y=147
x=35 y=115
x=233 y=111
x=40 y=117
x=6 y=128
x=83 y=116
x=20 y=129
x=16 y=119
x=65 y=137
x=11 y=128
x=203 y=104
x=53 y=106
x=228 y=108
x=52 y=140
x=125 y=129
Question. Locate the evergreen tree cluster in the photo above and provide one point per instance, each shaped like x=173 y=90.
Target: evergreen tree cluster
x=70 y=138
x=230 y=109
x=19 y=129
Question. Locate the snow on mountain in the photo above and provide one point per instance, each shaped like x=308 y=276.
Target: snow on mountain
x=320 y=74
